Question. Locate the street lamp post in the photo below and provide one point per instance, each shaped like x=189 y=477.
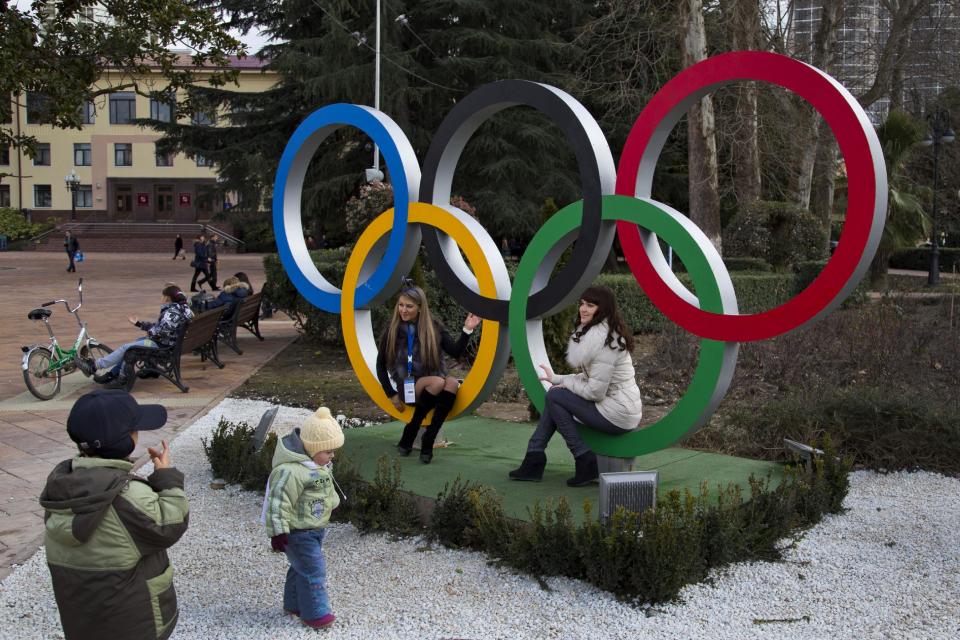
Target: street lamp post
x=940 y=132
x=73 y=185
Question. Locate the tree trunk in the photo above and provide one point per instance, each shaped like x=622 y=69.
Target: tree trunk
x=879 y=267
x=701 y=138
x=825 y=180
x=744 y=21
x=821 y=56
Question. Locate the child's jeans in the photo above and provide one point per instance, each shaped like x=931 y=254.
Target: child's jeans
x=305 y=590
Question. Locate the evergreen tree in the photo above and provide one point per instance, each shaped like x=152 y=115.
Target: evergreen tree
x=433 y=55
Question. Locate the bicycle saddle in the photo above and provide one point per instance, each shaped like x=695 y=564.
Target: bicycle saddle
x=39 y=314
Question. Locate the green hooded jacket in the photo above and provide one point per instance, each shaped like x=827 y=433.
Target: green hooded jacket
x=106 y=537
x=300 y=493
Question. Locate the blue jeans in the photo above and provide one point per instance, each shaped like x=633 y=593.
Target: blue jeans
x=114 y=359
x=560 y=408
x=305 y=590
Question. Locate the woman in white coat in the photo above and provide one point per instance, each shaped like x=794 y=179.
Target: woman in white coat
x=603 y=395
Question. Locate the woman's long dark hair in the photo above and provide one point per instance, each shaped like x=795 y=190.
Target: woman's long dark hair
x=617 y=331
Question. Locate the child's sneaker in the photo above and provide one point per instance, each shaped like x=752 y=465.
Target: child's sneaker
x=322 y=622
x=288 y=612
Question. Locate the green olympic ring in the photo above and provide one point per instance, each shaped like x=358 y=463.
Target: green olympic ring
x=717 y=358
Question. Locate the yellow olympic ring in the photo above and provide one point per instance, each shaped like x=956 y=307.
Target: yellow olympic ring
x=356 y=323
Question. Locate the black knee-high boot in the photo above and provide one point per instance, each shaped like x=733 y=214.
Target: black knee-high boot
x=425 y=402
x=445 y=400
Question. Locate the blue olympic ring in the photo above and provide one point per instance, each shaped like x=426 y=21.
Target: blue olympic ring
x=288 y=186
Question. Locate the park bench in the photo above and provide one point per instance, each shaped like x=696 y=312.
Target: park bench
x=197 y=336
x=246 y=315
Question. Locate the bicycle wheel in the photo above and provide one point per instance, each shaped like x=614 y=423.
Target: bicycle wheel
x=41 y=381
x=95 y=350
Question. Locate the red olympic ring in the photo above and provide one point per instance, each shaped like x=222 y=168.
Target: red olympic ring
x=867 y=190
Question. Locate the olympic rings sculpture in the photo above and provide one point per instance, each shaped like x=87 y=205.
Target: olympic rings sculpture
x=616 y=201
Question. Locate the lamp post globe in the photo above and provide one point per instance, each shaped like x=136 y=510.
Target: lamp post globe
x=73 y=185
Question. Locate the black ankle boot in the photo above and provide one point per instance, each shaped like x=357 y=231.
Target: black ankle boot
x=531 y=469
x=587 y=470
x=445 y=400
x=425 y=403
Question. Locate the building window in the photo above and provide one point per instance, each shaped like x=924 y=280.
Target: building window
x=205 y=118
x=83 y=196
x=123 y=154
x=123 y=107
x=4 y=155
x=6 y=111
x=203 y=162
x=88 y=113
x=42 y=159
x=161 y=110
x=5 y=195
x=82 y=156
x=42 y=197
x=164 y=159
x=38 y=108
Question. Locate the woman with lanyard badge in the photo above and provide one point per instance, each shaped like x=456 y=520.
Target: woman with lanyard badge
x=413 y=345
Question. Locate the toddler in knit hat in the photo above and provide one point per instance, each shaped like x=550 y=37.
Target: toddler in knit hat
x=300 y=496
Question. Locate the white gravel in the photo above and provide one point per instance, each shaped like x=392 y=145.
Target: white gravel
x=888 y=568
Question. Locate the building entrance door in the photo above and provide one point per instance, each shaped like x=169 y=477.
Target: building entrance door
x=164 y=198
x=124 y=201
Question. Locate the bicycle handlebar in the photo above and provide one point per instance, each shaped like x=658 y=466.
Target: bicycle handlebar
x=47 y=304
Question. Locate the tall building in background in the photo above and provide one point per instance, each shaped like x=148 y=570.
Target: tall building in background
x=932 y=61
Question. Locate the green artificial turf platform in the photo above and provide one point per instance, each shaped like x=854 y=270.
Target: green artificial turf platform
x=484 y=450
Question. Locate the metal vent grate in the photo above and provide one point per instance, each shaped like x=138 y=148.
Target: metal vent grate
x=632 y=490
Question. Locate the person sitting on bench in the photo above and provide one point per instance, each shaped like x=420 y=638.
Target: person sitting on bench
x=174 y=313
x=233 y=292
x=603 y=395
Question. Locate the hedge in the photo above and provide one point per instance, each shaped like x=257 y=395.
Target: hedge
x=756 y=291
x=641 y=558
x=919 y=259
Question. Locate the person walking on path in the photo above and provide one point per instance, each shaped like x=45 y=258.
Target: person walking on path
x=178 y=248
x=212 y=259
x=107 y=531
x=299 y=498
x=71 y=245
x=199 y=263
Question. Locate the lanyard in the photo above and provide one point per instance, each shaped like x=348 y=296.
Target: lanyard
x=409 y=350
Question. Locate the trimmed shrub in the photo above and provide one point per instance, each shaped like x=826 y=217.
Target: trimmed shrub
x=756 y=291
x=231 y=455
x=383 y=505
x=15 y=226
x=747 y=264
x=332 y=263
x=780 y=233
x=919 y=259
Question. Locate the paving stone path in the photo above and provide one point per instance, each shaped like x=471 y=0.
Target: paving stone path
x=33 y=434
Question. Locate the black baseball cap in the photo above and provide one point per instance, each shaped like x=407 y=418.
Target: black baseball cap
x=101 y=422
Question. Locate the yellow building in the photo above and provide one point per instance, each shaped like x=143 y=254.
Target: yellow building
x=121 y=176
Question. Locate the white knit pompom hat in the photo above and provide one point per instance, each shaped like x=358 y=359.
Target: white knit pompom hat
x=321 y=432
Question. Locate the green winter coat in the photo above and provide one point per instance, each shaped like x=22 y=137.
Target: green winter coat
x=300 y=493
x=106 y=538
